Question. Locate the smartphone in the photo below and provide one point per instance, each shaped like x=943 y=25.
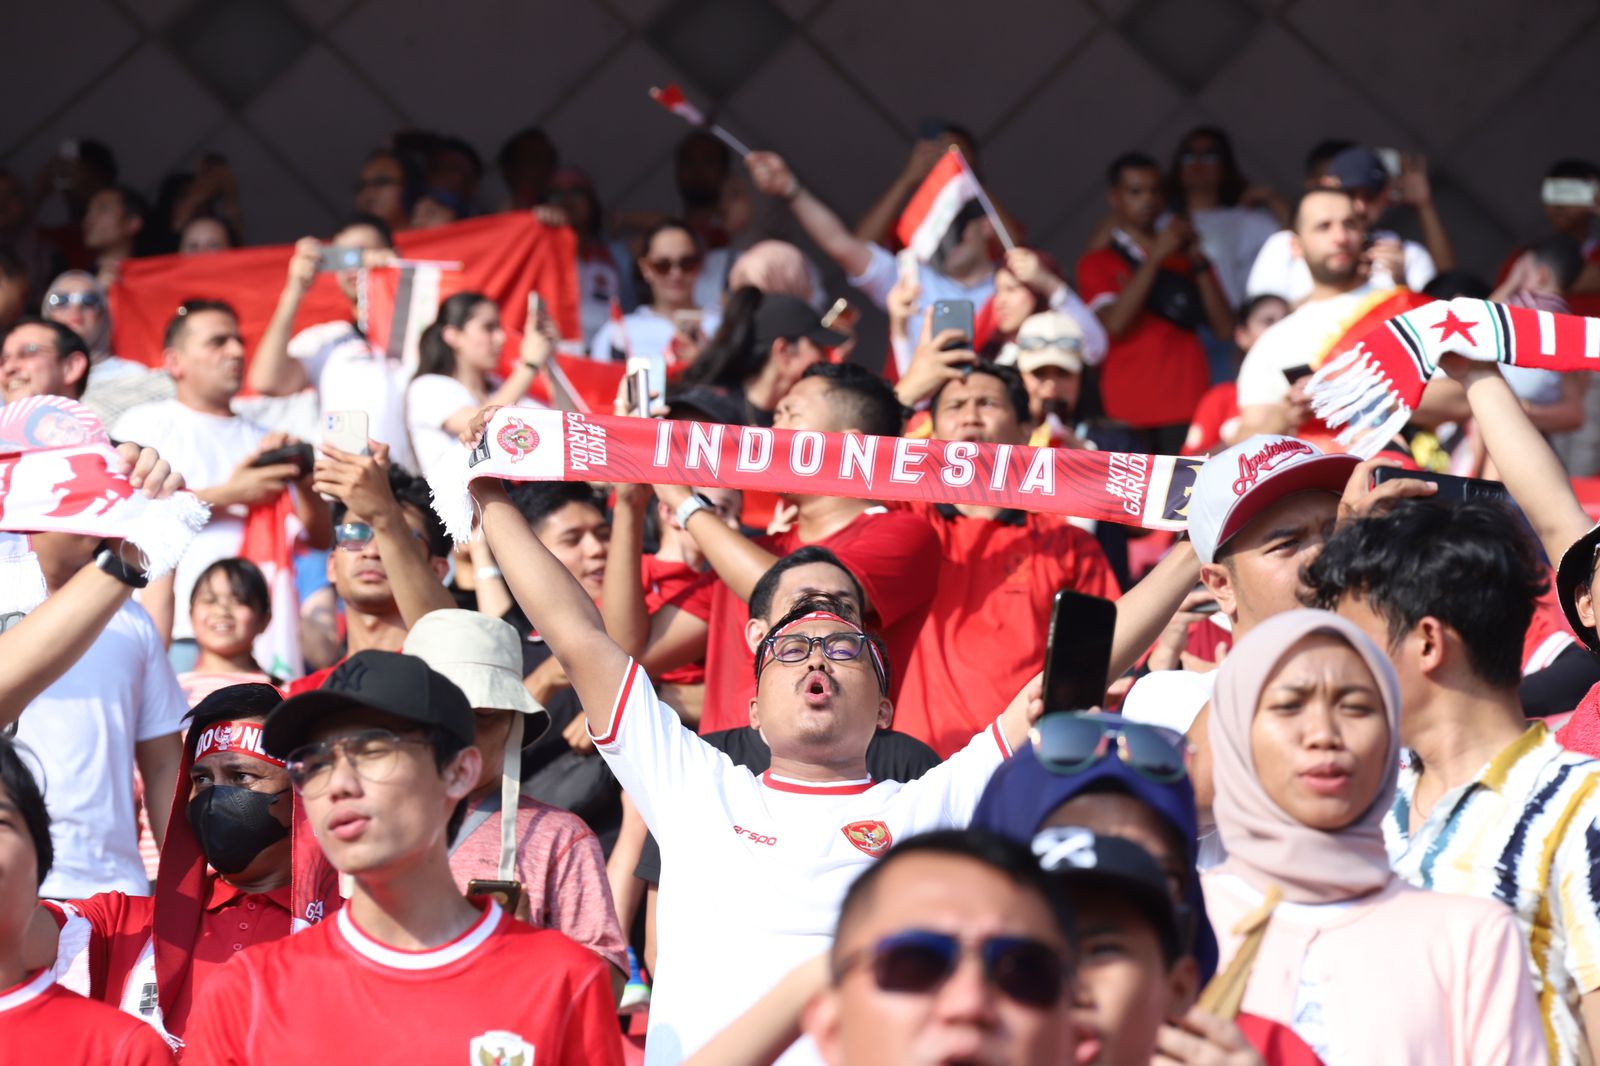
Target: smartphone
x=301 y=455
x=335 y=258
x=842 y=315
x=1078 y=655
x=1569 y=192
x=910 y=271
x=647 y=383
x=506 y=893
x=1293 y=374
x=687 y=321
x=346 y=430
x=1452 y=488
x=535 y=309
x=953 y=314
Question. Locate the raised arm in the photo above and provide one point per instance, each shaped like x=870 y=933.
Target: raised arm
x=273 y=372
x=1144 y=610
x=737 y=559
x=772 y=176
x=556 y=604
x=622 y=603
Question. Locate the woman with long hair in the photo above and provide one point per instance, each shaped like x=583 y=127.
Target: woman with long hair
x=670 y=325
x=1305 y=743
x=1233 y=217
x=457 y=359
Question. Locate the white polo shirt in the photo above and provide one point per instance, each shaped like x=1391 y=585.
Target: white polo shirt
x=753 y=869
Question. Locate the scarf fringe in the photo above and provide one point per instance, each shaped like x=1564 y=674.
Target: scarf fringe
x=452 y=498
x=163 y=530
x=1351 y=390
x=22 y=586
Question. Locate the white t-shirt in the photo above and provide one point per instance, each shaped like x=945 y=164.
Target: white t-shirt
x=1232 y=237
x=1296 y=340
x=1280 y=271
x=81 y=732
x=430 y=399
x=753 y=869
x=205 y=449
x=648 y=334
x=350 y=375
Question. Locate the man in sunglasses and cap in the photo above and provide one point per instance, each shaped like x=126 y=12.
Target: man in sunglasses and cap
x=382 y=758
x=544 y=864
x=753 y=868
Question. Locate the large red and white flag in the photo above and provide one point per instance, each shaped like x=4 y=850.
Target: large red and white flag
x=948 y=188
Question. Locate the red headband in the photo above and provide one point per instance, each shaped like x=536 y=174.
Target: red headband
x=242 y=737
x=817 y=616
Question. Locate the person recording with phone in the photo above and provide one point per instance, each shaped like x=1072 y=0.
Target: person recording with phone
x=671 y=326
x=334 y=357
x=234 y=464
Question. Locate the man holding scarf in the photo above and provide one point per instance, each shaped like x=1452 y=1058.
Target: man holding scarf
x=226 y=879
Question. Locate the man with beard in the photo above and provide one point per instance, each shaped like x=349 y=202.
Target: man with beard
x=225 y=880
x=1329 y=234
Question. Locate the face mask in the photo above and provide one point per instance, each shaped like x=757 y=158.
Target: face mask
x=234 y=825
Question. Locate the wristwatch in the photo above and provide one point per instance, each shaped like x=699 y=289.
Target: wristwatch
x=112 y=563
x=696 y=502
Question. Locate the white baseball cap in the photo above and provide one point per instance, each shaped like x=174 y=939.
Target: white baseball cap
x=1049 y=338
x=483 y=658
x=1236 y=485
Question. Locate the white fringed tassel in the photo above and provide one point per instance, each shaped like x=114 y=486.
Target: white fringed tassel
x=1351 y=391
x=452 y=499
x=163 y=530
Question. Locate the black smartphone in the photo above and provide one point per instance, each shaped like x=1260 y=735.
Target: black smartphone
x=1452 y=488
x=301 y=455
x=1078 y=655
x=952 y=314
x=1293 y=374
x=506 y=893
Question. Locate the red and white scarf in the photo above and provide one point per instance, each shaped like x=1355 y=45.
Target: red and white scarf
x=1372 y=388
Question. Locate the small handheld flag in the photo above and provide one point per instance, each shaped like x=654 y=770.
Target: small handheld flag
x=673 y=100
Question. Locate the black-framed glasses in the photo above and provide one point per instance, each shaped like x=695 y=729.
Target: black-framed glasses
x=1069 y=743
x=374 y=754
x=89 y=300
x=687 y=265
x=796 y=647
x=919 y=961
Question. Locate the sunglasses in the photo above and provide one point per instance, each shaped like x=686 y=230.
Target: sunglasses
x=1067 y=743
x=354 y=536
x=687 y=265
x=88 y=300
x=919 y=961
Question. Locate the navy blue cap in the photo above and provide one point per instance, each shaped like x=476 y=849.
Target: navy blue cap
x=1022 y=794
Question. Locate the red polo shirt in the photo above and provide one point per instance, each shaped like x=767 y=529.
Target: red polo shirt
x=989 y=620
x=112 y=932
x=41 y=1022
x=893 y=554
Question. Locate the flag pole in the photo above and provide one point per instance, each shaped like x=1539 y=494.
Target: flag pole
x=728 y=139
x=983 y=198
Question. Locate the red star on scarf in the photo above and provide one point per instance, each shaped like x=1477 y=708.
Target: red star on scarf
x=1450 y=326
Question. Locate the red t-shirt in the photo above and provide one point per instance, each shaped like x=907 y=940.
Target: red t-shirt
x=1218 y=407
x=333 y=994
x=111 y=931
x=667 y=584
x=987 y=624
x=42 y=1023
x=1154 y=374
x=311 y=682
x=893 y=554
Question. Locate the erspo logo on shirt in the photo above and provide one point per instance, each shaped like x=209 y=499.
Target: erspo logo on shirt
x=755 y=837
x=870 y=838
x=500 y=1048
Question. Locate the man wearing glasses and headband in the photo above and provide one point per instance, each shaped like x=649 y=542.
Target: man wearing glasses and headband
x=390 y=554
x=409 y=969
x=753 y=867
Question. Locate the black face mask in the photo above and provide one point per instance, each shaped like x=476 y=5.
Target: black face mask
x=234 y=825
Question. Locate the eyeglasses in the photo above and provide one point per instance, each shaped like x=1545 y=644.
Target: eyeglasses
x=1035 y=344
x=89 y=300
x=374 y=754
x=1068 y=743
x=687 y=265
x=796 y=647
x=355 y=536
x=919 y=962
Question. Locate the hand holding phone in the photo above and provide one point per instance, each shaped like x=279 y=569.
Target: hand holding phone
x=332 y=257
x=1449 y=487
x=300 y=454
x=952 y=314
x=347 y=431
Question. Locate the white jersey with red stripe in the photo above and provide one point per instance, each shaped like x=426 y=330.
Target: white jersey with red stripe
x=753 y=869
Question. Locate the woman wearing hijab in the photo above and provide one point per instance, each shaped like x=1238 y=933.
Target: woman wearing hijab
x=1305 y=738
x=77 y=300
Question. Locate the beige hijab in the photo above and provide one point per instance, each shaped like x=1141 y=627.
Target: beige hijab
x=1265 y=845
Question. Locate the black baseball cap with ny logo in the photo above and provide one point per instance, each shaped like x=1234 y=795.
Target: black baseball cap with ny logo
x=402 y=686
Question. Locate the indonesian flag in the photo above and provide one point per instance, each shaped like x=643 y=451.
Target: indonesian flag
x=673 y=100
x=395 y=304
x=270 y=532
x=949 y=187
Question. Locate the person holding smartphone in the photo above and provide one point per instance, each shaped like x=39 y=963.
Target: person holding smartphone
x=671 y=326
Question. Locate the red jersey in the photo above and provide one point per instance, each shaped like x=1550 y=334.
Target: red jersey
x=988 y=622
x=893 y=554
x=1548 y=635
x=667 y=584
x=42 y=1024
x=108 y=936
x=311 y=682
x=1156 y=372
x=502 y=992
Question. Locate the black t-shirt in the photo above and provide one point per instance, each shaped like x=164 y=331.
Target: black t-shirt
x=890 y=757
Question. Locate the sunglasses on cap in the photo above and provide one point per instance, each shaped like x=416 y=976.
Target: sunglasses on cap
x=89 y=300
x=1067 y=743
x=687 y=265
x=918 y=962
x=1035 y=344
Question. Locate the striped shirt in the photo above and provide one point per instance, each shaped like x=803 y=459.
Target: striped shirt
x=1524 y=832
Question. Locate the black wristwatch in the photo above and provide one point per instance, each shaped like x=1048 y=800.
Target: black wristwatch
x=112 y=563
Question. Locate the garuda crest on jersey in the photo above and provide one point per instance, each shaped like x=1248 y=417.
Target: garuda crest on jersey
x=872 y=837
x=500 y=1048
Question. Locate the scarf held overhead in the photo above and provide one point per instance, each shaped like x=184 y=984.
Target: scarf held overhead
x=523 y=445
x=1372 y=388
